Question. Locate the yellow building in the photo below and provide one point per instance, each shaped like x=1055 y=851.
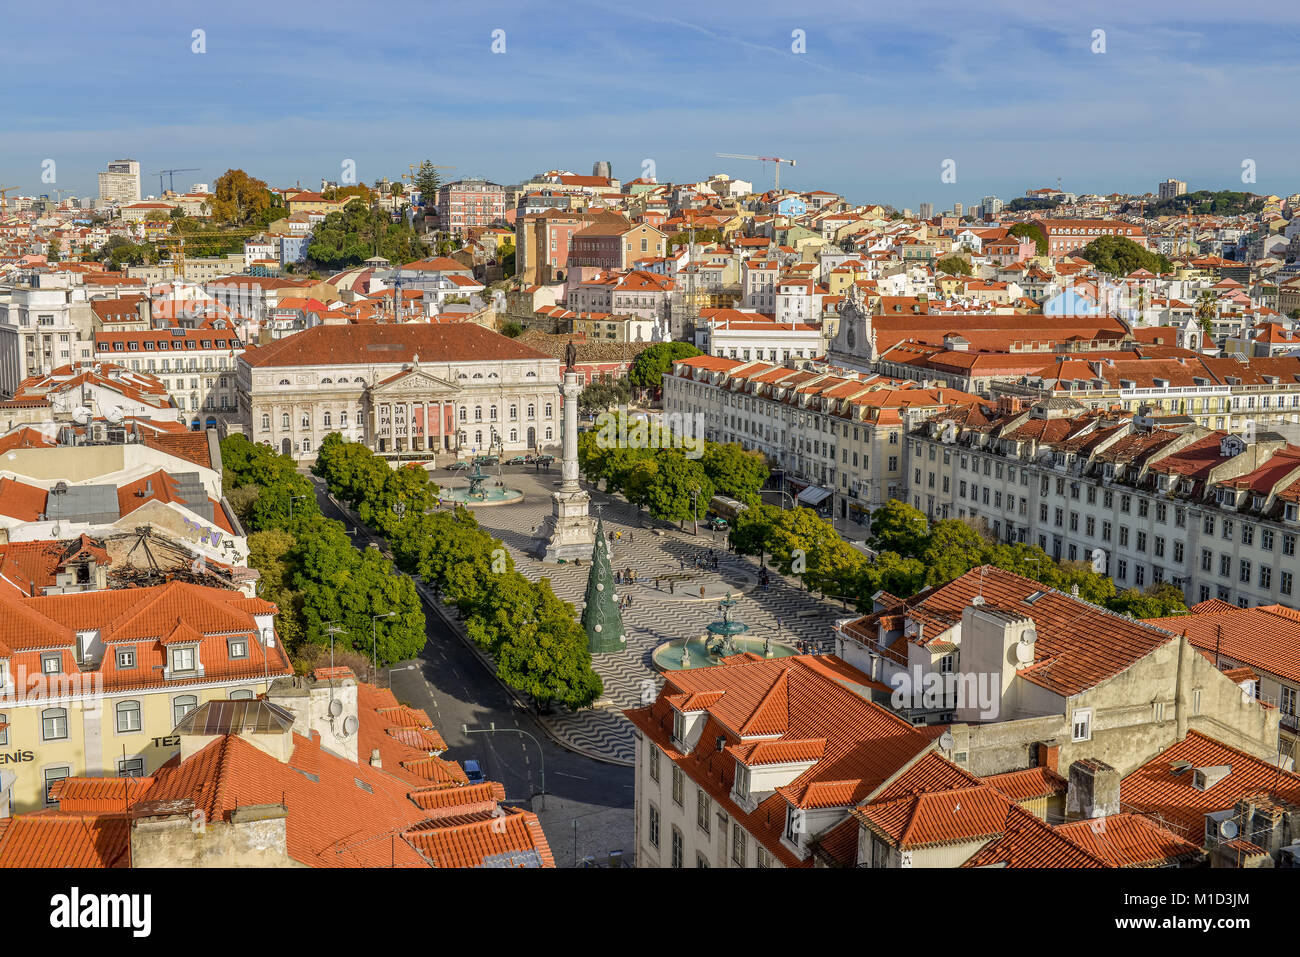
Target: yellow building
x=93 y=683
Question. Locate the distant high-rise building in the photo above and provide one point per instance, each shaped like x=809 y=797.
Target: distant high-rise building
x=120 y=183
x=602 y=168
x=990 y=207
x=957 y=209
x=1171 y=188
x=927 y=210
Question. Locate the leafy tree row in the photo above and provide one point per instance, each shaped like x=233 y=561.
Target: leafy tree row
x=637 y=458
x=648 y=368
x=539 y=647
x=310 y=569
x=914 y=553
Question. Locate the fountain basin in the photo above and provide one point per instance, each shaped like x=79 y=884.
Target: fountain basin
x=668 y=656
x=488 y=496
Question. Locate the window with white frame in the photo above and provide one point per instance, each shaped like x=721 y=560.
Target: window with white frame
x=181 y=706
x=128 y=717
x=1082 y=725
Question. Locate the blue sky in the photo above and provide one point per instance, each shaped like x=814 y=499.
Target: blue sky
x=884 y=93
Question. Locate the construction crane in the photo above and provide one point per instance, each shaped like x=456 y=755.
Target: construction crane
x=177 y=244
x=171 y=177
x=4 y=201
x=776 y=162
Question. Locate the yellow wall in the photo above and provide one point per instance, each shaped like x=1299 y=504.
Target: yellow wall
x=92 y=730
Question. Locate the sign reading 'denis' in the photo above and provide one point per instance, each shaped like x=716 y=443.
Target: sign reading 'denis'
x=75 y=910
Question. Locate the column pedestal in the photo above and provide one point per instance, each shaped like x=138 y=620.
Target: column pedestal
x=569 y=531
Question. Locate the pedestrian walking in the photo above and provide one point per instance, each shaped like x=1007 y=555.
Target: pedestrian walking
x=672 y=588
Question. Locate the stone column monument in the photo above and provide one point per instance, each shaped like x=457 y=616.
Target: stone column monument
x=568 y=532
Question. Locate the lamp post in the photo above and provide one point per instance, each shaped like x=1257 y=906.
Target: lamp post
x=391 y=670
x=695 y=506
x=292 y=499
x=374 y=640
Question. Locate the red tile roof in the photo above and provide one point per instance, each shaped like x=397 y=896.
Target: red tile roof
x=362 y=345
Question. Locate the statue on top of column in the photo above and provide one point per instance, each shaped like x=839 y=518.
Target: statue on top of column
x=570 y=356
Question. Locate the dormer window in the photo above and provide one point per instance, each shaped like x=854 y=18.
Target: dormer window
x=125 y=658
x=237 y=647
x=52 y=664
x=183 y=659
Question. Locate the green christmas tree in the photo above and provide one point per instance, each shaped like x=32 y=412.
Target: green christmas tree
x=601 y=617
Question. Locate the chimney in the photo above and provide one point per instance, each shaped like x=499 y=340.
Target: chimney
x=375 y=760
x=1093 y=790
x=1048 y=755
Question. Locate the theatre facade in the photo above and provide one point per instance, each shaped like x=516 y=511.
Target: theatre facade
x=404 y=390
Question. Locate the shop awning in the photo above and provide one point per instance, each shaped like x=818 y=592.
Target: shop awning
x=814 y=495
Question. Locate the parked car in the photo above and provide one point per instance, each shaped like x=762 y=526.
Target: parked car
x=486 y=460
x=718 y=523
x=458 y=467
x=517 y=460
x=473 y=771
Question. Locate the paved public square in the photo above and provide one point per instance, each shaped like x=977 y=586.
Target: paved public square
x=656 y=615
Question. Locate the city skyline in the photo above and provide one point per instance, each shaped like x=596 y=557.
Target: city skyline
x=1016 y=97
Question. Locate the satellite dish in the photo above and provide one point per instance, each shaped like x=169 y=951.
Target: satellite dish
x=82 y=414
x=1024 y=652
x=946 y=741
x=350 y=725
x=336 y=708
x=1228 y=829
x=115 y=415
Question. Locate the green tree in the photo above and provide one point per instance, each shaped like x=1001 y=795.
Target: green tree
x=352 y=235
x=1207 y=310
x=1031 y=231
x=681 y=490
x=898 y=527
x=651 y=364
x=735 y=471
x=1119 y=256
x=239 y=199
x=272 y=554
x=428 y=183
x=1162 y=600
x=546 y=656
x=954 y=266
x=952 y=549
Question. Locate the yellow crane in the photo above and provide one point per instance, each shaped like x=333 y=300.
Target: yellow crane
x=4 y=193
x=177 y=244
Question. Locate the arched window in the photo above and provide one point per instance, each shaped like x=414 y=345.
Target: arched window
x=328 y=420
x=343 y=419
x=306 y=421
x=283 y=382
x=530 y=375
x=284 y=420
x=478 y=375
x=128 y=717
x=532 y=411
x=342 y=378
x=514 y=435
x=181 y=706
x=492 y=412
x=478 y=438
x=548 y=410
x=243 y=694
x=328 y=381
x=266 y=422
x=549 y=436
x=54 y=724
x=463 y=414
x=478 y=413
x=514 y=412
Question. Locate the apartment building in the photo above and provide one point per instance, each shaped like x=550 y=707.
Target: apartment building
x=93 y=683
x=1067 y=236
x=196 y=366
x=1011 y=667
x=837 y=437
x=470 y=203
x=43 y=325
x=120 y=182
x=1144 y=500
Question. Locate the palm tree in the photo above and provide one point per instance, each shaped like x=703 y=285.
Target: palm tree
x=1207 y=310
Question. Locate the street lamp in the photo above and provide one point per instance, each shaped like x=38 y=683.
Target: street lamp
x=493 y=729
x=695 y=505
x=374 y=639
x=292 y=499
x=403 y=668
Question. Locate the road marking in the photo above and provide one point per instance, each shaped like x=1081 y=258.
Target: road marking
x=576 y=777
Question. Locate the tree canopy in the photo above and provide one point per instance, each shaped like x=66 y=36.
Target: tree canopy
x=648 y=369
x=350 y=236
x=1119 y=256
x=239 y=199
